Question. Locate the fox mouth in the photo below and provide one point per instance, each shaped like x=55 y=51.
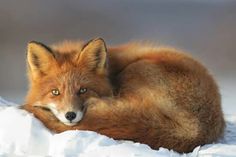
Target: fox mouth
x=67 y=121
x=69 y=118
x=61 y=117
x=70 y=123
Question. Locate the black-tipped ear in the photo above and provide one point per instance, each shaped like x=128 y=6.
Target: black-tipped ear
x=94 y=56
x=39 y=58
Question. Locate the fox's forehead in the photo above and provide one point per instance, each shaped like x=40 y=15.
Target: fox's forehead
x=67 y=83
x=67 y=71
x=72 y=77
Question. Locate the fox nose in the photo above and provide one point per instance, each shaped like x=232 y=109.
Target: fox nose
x=70 y=115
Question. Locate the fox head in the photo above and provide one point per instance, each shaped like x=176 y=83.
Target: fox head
x=61 y=81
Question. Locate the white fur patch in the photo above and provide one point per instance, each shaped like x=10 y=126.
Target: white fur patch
x=61 y=115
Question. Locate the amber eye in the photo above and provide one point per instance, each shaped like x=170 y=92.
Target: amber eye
x=82 y=91
x=55 y=92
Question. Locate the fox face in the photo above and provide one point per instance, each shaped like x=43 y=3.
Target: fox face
x=62 y=82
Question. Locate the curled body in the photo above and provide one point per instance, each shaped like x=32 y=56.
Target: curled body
x=153 y=95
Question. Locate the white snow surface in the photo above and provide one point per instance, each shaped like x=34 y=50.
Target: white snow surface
x=21 y=134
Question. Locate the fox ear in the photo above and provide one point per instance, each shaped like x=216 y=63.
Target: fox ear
x=94 y=56
x=40 y=58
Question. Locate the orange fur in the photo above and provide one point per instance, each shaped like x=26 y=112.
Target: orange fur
x=157 y=96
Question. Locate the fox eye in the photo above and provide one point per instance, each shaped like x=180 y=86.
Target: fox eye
x=55 y=92
x=82 y=91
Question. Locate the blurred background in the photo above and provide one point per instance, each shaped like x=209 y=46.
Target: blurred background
x=204 y=28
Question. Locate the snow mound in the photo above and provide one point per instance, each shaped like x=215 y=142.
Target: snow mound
x=23 y=135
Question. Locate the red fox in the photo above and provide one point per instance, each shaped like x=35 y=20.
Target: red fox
x=153 y=95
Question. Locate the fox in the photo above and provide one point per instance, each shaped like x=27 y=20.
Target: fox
x=154 y=95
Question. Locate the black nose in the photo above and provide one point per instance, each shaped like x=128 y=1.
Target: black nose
x=70 y=115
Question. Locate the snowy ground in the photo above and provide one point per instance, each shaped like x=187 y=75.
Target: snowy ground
x=23 y=135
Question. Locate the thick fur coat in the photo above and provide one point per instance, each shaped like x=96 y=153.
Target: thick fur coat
x=153 y=95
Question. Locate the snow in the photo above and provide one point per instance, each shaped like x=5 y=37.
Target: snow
x=21 y=134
